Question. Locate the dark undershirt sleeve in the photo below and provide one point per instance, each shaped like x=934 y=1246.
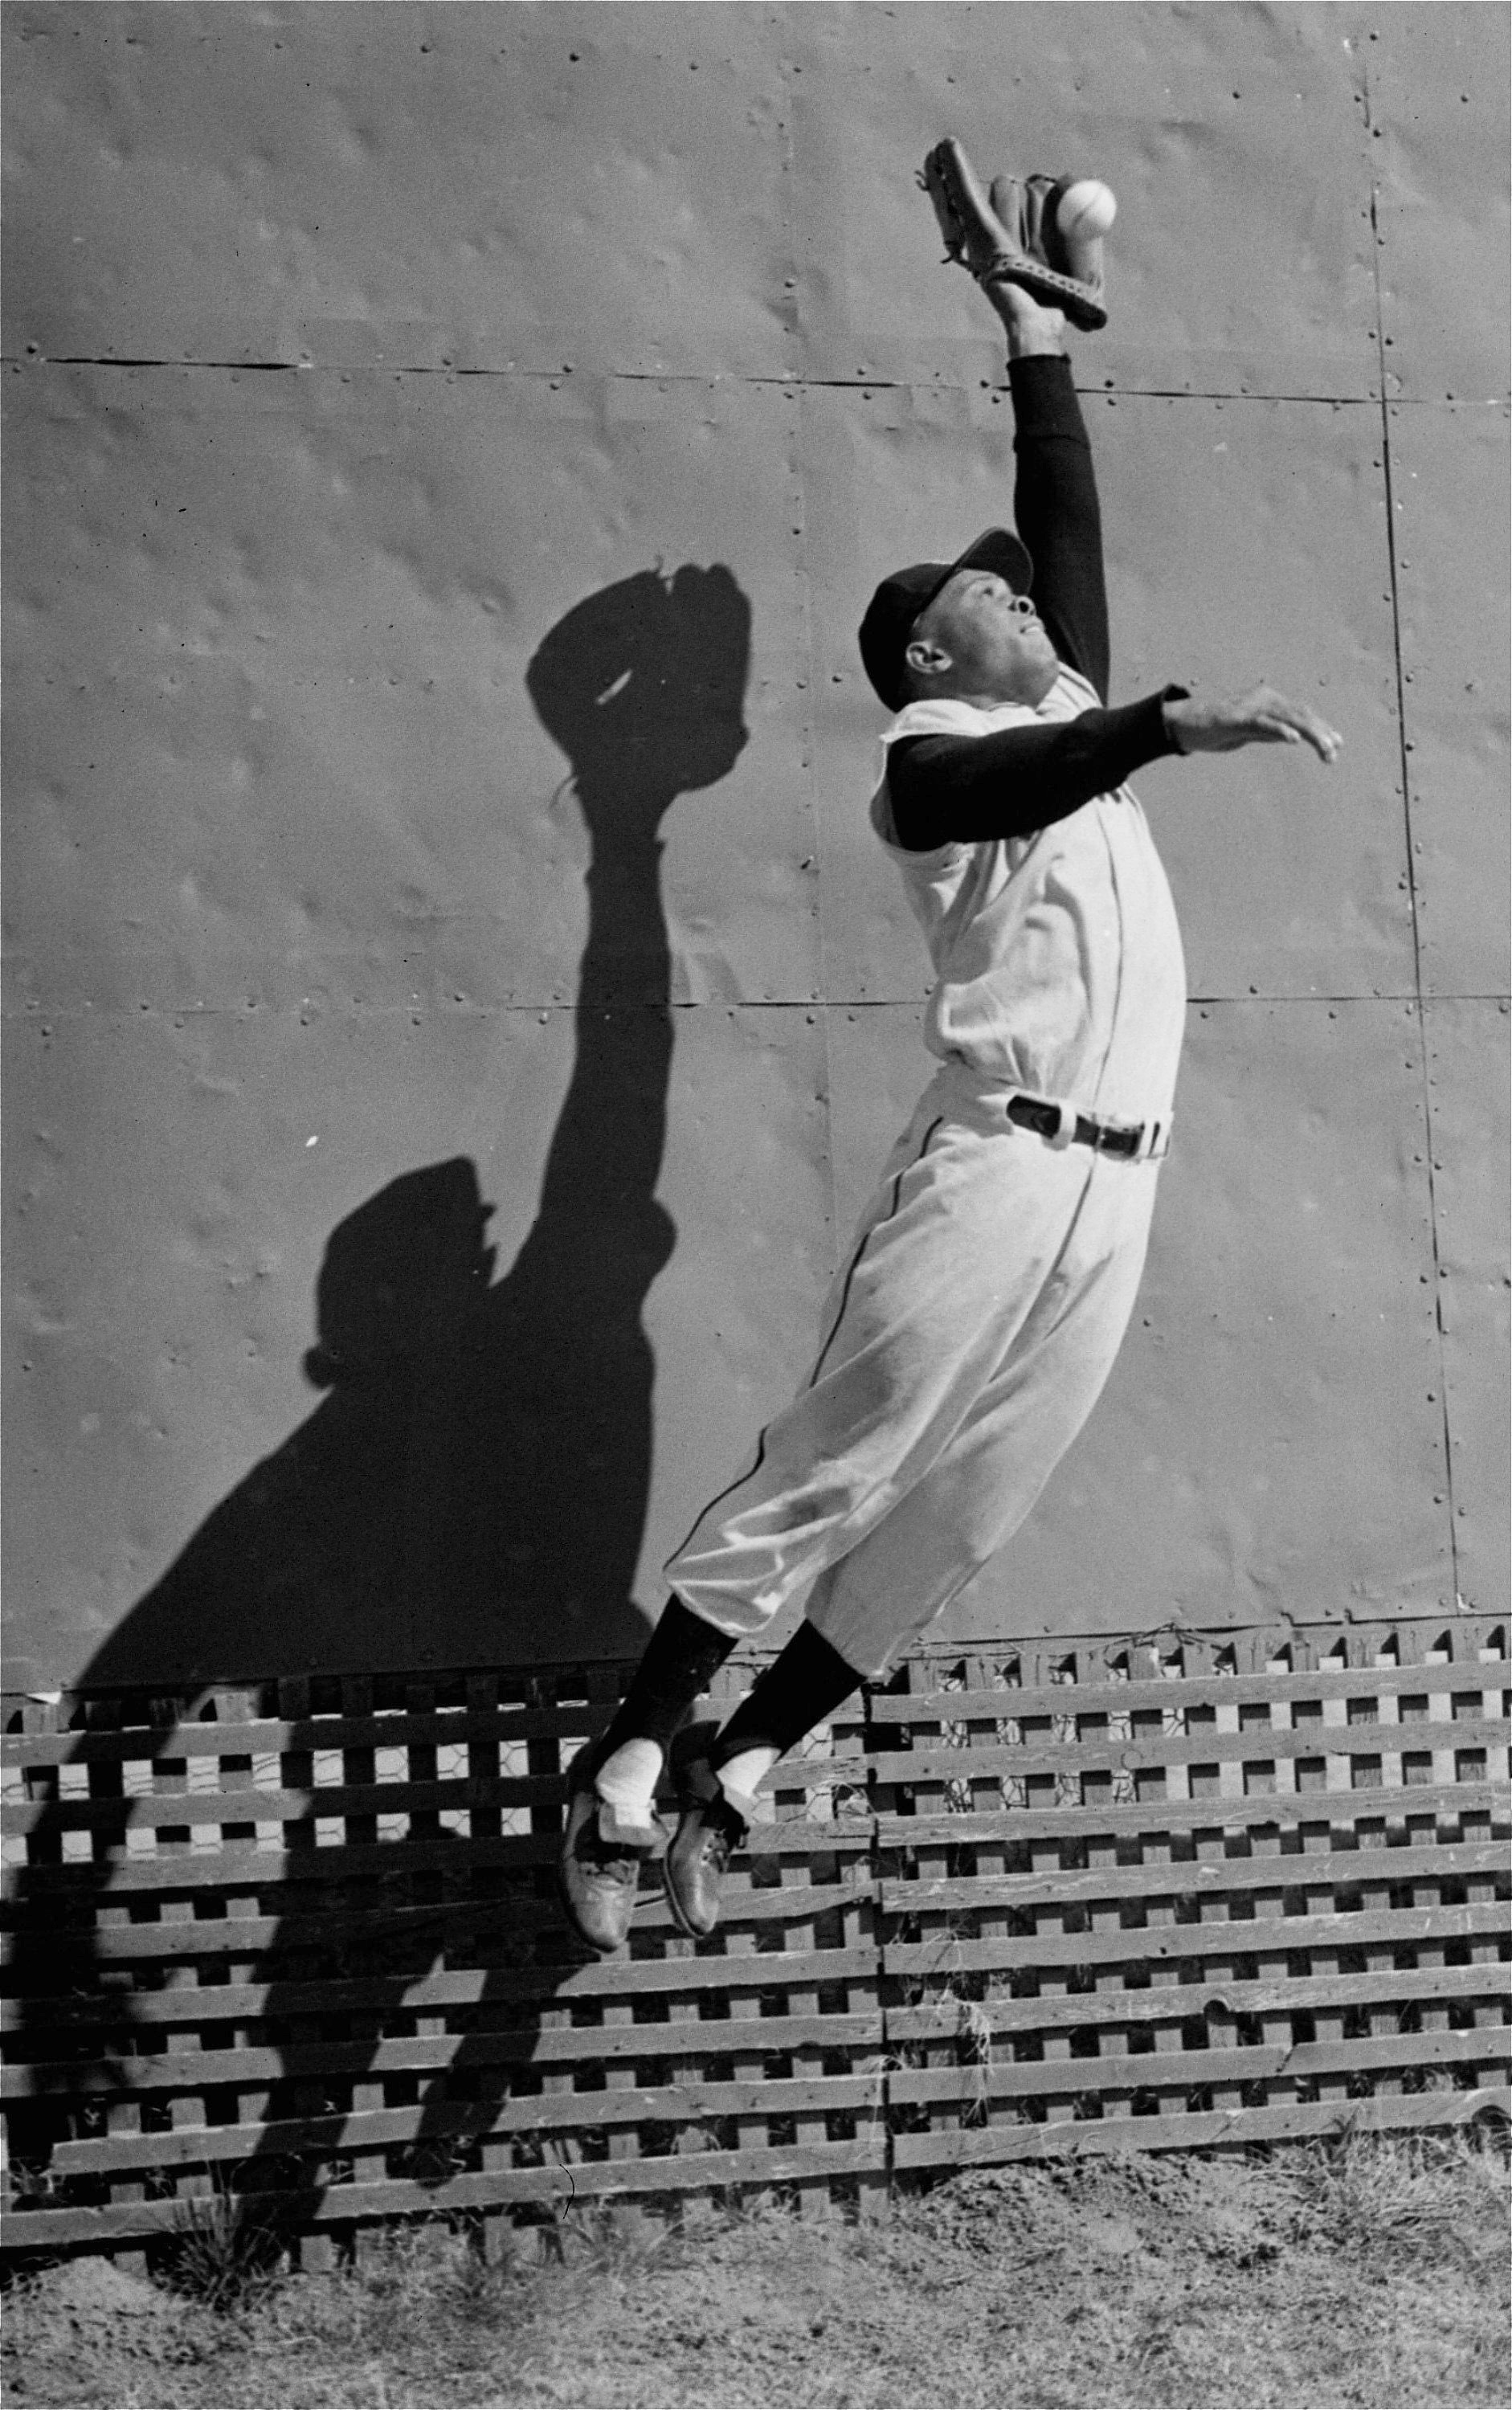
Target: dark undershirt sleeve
x=1055 y=511
x=969 y=790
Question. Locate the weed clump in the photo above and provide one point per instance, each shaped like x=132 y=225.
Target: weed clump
x=1387 y=2198
x=227 y=2253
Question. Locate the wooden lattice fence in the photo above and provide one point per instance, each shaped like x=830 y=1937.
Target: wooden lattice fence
x=299 y=1940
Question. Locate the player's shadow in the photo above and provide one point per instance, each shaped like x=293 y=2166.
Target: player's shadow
x=472 y=1489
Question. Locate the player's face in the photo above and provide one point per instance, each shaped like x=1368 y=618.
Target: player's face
x=993 y=639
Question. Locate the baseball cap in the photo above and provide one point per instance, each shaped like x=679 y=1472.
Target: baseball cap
x=899 y=601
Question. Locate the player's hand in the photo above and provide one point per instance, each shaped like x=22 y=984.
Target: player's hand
x=1262 y=716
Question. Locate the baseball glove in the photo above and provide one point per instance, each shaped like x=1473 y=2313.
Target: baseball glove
x=1009 y=236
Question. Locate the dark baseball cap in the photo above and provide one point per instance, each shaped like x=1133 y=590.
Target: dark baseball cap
x=899 y=600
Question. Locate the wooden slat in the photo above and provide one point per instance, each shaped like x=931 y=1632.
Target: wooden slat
x=1214 y=1746
x=301 y=1792
x=932 y=1863
x=1198 y=1995
x=1196 y=2131
x=1165 y=1977
x=48 y=2229
x=1149 y=1945
x=136 y=1811
x=241 y=1865
x=1219 y=1975
x=1172 y=1696
x=992 y=1861
x=220 y=2003
x=301 y=1799
x=273 y=1736
x=790 y=1785
x=687 y=2101
x=1194 y=2070
x=528 y=2046
x=1339 y=1808
x=1343 y=1870
x=124 y=2118
x=212 y=1937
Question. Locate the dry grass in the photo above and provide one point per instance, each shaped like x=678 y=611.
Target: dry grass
x=1370 y=2274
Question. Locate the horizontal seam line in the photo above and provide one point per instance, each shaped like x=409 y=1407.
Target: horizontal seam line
x=690 y=377
x=812 y=1004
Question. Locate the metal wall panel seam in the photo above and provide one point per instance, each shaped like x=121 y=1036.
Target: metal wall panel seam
x=1465 y=1050
x=31 y=356
x=1406 y=790
x=382 y=372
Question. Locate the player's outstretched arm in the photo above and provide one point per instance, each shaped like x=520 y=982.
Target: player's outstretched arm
x=1054 y=489
x=1262 y=716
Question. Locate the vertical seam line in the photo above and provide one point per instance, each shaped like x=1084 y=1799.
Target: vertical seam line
x=1386 y=466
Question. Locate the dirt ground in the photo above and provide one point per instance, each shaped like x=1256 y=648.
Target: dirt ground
x=1372 y=2275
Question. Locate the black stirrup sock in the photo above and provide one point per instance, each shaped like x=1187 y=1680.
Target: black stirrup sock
x=807 y=1683
x=682 y=1657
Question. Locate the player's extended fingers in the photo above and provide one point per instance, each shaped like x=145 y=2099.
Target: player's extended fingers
x=1325 y=740
x=1000 y=192
x=1296 y=724
x=1264 y=730
x=1308 y=728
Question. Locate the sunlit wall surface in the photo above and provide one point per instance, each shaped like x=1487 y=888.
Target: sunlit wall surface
x=456 y=1008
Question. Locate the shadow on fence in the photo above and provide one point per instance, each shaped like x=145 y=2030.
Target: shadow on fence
x=479 y=1460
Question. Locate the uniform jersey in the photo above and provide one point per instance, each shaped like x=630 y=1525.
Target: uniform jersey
x=1056 y=954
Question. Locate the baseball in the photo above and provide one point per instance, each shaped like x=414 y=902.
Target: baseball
x=1087 y=209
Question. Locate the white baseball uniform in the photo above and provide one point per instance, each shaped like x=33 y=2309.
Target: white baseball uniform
x=991 y=1278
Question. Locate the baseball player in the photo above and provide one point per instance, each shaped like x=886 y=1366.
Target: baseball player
x=981 y=1302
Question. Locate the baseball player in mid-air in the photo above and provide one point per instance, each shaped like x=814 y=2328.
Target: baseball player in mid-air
x=986 y=1290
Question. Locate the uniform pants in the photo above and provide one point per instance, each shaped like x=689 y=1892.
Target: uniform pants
x=965 y=1340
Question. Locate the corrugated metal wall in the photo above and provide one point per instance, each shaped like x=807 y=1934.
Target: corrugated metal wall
x=456 y=1007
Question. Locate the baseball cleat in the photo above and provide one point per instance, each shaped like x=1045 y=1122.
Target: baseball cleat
x=710 y=1829
x=599 y=1871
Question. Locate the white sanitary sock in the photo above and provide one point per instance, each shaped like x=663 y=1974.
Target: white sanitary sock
x=626 y=1780
x=742 y=1774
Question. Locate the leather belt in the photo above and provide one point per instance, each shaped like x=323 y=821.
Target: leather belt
x=1061 y=1128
